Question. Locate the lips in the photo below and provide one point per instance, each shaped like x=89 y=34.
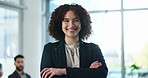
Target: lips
x=72 y=29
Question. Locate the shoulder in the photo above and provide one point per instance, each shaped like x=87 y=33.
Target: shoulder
x=49 y=47
x=92 y=48
x=28 y=76
x=51 y=43
x=12 y=75
x=92 y=45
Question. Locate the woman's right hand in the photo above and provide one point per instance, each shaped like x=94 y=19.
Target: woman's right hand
x=95 y=64
x=50 y=72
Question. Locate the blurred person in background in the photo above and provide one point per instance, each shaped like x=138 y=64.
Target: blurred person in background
x=1 y=73
x=19 y=72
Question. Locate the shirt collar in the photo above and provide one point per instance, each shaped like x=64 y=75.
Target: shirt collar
x=20 y=72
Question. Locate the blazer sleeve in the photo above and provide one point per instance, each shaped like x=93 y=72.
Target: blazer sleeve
x=100 y=72
x=46 y=61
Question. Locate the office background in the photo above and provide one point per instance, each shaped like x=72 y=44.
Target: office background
x=119 y=28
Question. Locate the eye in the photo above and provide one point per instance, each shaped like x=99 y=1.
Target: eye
x=76 y=20
x=66 y=20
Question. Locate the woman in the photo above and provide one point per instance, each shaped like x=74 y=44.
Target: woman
x=70 y=57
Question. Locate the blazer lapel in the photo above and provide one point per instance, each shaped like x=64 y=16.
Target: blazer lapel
x=61 y=54
x=82 y=54
x=16 y=74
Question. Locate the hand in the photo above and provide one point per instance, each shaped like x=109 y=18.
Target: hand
x=95 y=64
x=50 y=72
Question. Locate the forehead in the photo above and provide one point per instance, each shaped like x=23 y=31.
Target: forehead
x=71 y=13
x=19 y=59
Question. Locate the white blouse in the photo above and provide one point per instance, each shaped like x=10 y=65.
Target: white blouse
x=72 y=54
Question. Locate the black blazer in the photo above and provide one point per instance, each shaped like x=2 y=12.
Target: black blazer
x=16 y=75
x=54 y=56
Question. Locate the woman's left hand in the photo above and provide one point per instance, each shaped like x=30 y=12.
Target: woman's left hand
x=95 y=64
x=50 y=72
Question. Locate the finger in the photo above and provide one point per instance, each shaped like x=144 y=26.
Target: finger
x=48 y=74
x=100 y=63
x=91 y=66
x=51 y=75
x=94 y=63
x=97 y=65
x=45 y=72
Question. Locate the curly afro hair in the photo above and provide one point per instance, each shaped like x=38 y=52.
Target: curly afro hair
x=55 y=25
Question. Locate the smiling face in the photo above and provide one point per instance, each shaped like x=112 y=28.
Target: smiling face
x=71 y=25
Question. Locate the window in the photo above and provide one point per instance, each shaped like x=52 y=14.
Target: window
x=106 y=33
x=12 y=1
x=133 y=4
x=9 y=21
x=136 y=42
x=10 y=34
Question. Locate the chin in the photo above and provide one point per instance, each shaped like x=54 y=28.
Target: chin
x=72 y=36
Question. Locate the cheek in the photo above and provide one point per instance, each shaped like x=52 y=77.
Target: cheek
x=63 y=28
x=62 y=25
x=17 y=65
x=79 y=29
x=79 y=26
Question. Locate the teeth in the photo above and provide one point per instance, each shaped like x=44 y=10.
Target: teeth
x=71 y=29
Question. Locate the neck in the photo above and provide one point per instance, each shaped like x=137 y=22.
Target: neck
x=21 y=72
x=71 y=41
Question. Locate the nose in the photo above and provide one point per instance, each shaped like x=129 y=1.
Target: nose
x=21 y=63
x=71 y=23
